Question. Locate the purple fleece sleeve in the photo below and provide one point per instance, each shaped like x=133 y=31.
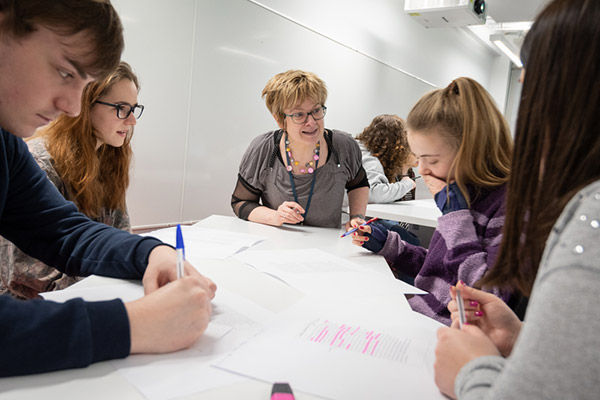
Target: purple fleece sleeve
x=402 y=256
x=459 y=253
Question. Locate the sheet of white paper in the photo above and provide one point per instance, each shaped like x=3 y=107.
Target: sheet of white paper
x=331 y=351
x=203 y=243
x=315 y=271
x=166 y=376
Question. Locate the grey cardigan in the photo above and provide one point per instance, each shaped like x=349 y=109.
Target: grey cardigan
x=23 y=276
x=557 y=354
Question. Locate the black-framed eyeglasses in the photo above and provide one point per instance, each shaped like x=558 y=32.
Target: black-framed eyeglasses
x=123 y=110
x=301 y=117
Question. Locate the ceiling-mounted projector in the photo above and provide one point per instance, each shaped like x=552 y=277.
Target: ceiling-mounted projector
x=446 y=13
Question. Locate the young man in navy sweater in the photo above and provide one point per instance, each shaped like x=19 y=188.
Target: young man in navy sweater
x=49 y=51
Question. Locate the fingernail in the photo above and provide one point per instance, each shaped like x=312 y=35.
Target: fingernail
x=366 y=239
x=473 y=303
x=479 y=313
x=462 y=283
x=466 y=323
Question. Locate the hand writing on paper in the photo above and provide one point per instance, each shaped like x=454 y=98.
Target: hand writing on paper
x=170 y=318
x=162 y=269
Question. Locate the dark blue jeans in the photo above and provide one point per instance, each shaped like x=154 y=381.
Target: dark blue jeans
x=407 y=236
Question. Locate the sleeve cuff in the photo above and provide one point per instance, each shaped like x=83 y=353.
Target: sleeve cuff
x=478 y=376
x=393 y=246
x=109 y=325
x=143 y=250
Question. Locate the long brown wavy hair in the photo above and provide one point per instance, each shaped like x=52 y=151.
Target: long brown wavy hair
x=98 y=178
x=557 y=144
x=469 y=120
x=385 y=138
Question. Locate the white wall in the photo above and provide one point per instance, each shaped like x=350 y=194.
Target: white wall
x=513 y=98
x=500 y=81
x=203 y=64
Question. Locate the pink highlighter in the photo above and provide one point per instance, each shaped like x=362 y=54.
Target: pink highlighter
x=282 y=391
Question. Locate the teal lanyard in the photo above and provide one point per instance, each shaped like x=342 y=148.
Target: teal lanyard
x=312 y=185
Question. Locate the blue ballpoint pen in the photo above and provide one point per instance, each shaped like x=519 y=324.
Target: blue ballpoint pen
x=355 y=229
x=180 y=252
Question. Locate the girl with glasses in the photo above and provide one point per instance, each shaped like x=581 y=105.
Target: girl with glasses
x=88 y=159
x=297 y=174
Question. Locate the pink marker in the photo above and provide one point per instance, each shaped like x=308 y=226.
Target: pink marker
x=282 y=391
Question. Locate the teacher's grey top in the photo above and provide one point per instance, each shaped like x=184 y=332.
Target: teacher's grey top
x=262 y=167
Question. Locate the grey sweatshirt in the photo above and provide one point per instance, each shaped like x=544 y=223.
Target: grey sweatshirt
x=557 y=354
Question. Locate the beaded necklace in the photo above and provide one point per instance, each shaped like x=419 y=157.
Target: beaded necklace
x=309 y=167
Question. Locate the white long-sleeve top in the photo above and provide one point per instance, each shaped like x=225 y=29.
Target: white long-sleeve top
x=382 y=191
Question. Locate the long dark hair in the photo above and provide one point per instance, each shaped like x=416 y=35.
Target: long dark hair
x=557 y=144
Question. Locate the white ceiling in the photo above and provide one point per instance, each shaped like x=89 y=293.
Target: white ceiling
x=506 y=18
x=510 y=19
x=514 y=10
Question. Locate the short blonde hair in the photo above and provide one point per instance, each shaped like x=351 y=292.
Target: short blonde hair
x=467 y=117
x=290 y=88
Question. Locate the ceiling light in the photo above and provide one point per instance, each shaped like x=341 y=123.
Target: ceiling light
x=507 y=47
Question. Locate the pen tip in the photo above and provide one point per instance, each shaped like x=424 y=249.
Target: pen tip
x=178 y=238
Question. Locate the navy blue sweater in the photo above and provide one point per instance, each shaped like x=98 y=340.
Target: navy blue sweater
x=39 y=336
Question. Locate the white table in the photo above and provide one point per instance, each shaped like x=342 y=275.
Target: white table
x=418 y=212
x=103 y=381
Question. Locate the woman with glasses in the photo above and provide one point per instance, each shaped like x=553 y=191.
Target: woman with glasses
x=87 y=158
x=298 y=173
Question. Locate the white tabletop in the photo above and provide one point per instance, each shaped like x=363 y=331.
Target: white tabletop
x=419 y=212
x=103 y=381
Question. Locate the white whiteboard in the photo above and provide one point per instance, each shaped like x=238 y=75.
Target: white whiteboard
x=204 y=63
